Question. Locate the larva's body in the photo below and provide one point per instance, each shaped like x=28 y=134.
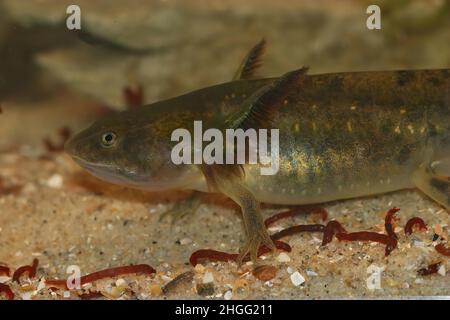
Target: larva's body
x=341 y=136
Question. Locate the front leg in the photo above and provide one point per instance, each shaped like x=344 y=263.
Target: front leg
x=255 y=229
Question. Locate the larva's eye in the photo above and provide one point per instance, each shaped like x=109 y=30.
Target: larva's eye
x=109 y=139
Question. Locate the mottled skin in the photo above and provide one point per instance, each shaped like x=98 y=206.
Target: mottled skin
x=341 y=136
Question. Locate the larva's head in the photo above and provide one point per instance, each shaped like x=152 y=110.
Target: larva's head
x=124 y=149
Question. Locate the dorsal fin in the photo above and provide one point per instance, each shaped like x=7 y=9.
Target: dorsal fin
x=258 y=109
x=251 y=62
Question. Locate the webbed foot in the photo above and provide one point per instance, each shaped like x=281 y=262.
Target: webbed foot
x=252 y=245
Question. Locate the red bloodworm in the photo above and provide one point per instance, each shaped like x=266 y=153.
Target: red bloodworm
x=4 y=270
x=331 y=229
x=31 y=270
x=432 y=268
x=388 y=220
x=363 y=236
x=106 y=273
x=296 y=211
x=412 y=223
x=297 y=229
x=442 y=249
x=280 y=245
x=214 y=255
x=90 y=295
x=390 y=243
x=7 y=291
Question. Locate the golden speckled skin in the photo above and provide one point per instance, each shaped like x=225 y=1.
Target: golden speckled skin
x=341 y=135
x=356 y=134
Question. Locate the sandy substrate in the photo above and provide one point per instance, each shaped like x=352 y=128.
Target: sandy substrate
x=51 y=210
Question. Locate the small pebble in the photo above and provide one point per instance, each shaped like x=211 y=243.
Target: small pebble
x=283 y=257
x=155 y=290
x=297 y=279
x=55 y=181
x=311 y=273
x=205 y=289
x=27 y=295
x=228 y=295
x=441 y=270
x=121 y=283
x=241 y=289
x=166 y=278
x=418 y=243
x=208 y=277
x=185 y=241
x=199 y=268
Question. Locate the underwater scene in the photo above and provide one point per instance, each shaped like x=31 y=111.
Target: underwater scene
x=224 y=150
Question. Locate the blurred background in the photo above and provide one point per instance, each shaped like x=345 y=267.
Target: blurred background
x=53 y=79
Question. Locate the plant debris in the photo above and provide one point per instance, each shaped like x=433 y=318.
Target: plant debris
x=179 y=280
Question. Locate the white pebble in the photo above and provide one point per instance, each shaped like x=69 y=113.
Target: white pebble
x=311 y=273
x=166 y=278
x=228 y=295
x=26 y=295
x=121 y=283
x=297 y=279
x=441 y=270
x=283 y=257
x=185 y=241
x=289 y=270
x=208 y=277
x=55 y=181
x=418 y=243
